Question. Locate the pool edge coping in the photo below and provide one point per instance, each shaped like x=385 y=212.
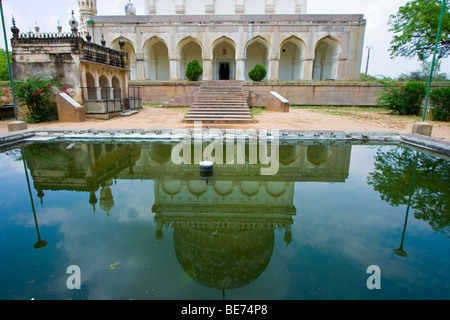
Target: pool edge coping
x=433 y=144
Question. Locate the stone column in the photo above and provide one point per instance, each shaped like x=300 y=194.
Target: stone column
x=308 y=67
x=240 y=69
x=173 y=65
x=273 y=67
x=207 y=69
x=140 y=68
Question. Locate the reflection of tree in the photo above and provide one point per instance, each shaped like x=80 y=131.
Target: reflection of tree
x=431 y=198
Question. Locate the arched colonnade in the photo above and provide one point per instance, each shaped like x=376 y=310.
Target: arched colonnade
x=225 y=59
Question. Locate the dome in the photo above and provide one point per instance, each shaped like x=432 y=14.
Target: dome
x=130 y=9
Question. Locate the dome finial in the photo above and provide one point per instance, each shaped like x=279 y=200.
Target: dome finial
x=15 y=31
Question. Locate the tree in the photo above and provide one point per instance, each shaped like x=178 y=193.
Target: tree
x=4 y=72
x=392 y=177
x=193 y=70
x=258 y=73
x=415 y=28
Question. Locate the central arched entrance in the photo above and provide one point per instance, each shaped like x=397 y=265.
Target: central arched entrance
x=224 y=63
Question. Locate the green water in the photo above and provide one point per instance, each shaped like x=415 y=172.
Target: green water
x=139 y=226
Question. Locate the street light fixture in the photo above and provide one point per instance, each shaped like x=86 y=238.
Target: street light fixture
x=434 y=59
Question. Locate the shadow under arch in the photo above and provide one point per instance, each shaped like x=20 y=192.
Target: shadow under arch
x=292 y=56
x=327 y=54
x=156 y=59
x=188 y=49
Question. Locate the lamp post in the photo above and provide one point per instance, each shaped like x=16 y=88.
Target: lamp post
x=368 y=58
x=9 y=63
x=434 y=60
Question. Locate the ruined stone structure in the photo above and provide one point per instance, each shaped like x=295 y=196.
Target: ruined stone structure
x=229 y=38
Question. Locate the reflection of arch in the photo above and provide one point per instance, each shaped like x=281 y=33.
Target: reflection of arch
x=288 y=153
x=130 y=50
x=171 y=187
x=223 y=188
x=188 y=49
x=161 y=152
x=224 y=57
x=156 y=59
x=197 y=187
x=257 y=52
x=292 y=52
x=249 y=188
x=318 y=155
x=275 y=188
x=326 y=59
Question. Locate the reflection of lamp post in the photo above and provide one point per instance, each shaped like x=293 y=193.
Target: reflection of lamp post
x=40 y=243
x=399 y=251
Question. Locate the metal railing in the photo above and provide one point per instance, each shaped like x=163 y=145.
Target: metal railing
x=105 y=100
x=102 y=100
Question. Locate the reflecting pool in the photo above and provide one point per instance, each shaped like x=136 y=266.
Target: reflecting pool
x=105 y=220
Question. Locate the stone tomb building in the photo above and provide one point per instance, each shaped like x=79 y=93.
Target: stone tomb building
x=229 y=37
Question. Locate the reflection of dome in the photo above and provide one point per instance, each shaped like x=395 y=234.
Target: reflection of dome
x=318 y=154
x=160 y=152
x=225 y=261
x=130 y=9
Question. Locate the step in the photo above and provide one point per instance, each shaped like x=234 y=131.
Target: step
x=215 y=120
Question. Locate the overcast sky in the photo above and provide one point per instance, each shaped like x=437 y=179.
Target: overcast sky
x=47 y=13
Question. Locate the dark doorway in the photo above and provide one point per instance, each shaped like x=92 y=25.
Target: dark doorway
x=224 y=71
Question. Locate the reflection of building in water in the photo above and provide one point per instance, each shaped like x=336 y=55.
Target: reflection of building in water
x=79 y=167
x=223 y=225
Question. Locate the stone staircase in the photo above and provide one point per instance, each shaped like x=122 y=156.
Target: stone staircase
x=220 y=102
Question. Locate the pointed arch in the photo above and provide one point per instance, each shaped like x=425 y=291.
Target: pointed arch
x=224 y=58
x=156 y=59
x=257 y=51
x=327 y=54
x=188 y=49
x=292 y=57
x=129 y=48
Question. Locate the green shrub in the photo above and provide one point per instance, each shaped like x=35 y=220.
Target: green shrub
x=440 y=101
x=258 y=73
x=403 y=99
x=37 y=94
x=193 y=70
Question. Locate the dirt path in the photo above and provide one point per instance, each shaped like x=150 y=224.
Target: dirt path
x=339 y=119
